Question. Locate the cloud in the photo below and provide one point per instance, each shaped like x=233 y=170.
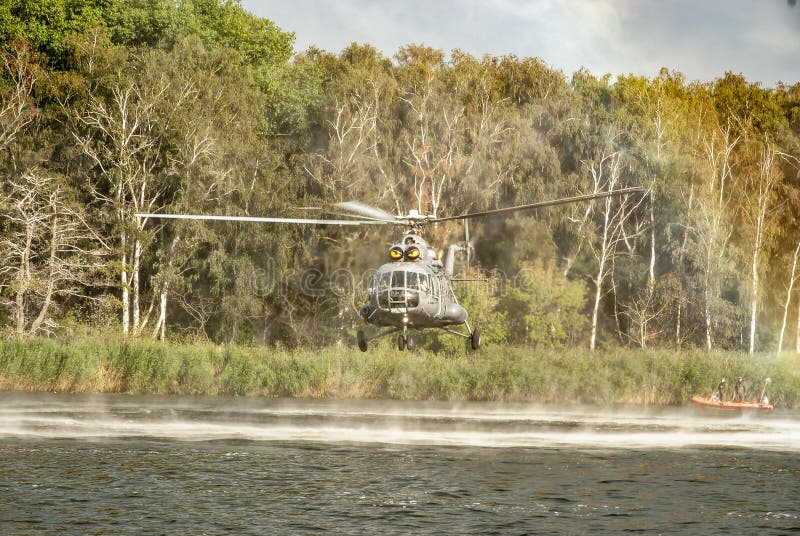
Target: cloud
x=701 y=38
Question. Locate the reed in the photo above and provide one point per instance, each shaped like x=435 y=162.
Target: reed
x=613 y=376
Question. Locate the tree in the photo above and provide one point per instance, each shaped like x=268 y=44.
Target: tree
x=709 y=224
x=20 y=72
x=49 y=249
x=610 y=233
x=759 y=208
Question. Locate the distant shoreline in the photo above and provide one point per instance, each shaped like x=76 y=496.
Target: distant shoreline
x=513 y=374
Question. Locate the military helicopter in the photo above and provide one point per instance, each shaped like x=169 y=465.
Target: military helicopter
x=414 y=289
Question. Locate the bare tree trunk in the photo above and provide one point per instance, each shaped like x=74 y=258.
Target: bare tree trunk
x=766 y=182
x=161 y=325
x=137 y=263
x=23 y=279
x=754 y=302
x=682 y=272
x=54 y=239
x=598 y=284
x=678 y=323
x=797 y=333
x=601 y=268
x=788 y=296
x=126 y=301
x=651 y=277
x=754 y=275
x=707 y=315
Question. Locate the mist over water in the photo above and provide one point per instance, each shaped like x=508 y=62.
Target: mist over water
x=408 y=423
x=124 y=464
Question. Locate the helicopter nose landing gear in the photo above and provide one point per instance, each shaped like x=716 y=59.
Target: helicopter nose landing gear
x=404 y=341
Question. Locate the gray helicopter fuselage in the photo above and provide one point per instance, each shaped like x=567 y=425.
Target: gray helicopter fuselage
x=412 y=290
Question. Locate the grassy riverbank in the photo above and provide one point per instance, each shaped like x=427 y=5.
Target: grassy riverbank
x=513 y=374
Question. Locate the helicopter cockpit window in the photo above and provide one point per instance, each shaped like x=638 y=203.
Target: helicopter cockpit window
x=385 y=281
x=398 y=279
x=400 y=289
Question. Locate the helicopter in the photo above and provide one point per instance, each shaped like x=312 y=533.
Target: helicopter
x=413 y=290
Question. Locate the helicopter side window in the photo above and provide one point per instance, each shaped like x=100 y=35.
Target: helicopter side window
x=385 y=280
x=435 y=286
x=424 y=286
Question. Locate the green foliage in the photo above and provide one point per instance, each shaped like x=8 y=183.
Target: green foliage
x=223 y=23
x=543 y=307
x=49 y=24
x=502 y=373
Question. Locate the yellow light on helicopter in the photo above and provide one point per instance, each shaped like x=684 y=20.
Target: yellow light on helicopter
x=413 y=253
x=396 y=253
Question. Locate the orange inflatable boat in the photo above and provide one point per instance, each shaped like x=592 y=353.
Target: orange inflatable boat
x=712 y=402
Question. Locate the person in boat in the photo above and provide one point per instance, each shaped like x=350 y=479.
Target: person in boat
x=722 y=388
x=739 y=390
x=763 y=398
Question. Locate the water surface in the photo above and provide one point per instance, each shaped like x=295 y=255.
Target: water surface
x=154 y=465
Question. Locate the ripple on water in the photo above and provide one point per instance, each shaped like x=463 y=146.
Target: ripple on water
x=152 y=465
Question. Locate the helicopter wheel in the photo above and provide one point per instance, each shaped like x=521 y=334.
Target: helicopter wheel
x=475 y=338
x=362 y=341
x=410 y=344
x=401 y=342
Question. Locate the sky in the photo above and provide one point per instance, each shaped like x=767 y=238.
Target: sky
x=700 y=38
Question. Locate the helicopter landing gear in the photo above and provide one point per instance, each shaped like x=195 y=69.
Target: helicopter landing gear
x=475 y=338
x=405 y=342
x=473 y=335
x=362 y=340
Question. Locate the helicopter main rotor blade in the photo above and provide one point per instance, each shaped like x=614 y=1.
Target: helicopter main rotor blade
x=308 y=221
x=367 y=211
x=553 y=202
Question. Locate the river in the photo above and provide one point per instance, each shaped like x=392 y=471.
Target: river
x=77 y=464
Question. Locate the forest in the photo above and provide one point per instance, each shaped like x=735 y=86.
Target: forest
x=116 y=107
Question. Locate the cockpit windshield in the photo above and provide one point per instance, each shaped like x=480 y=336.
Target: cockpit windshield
x=401 y=288
x=403 y=279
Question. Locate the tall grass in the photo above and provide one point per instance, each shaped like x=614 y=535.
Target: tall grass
x=510 y=374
